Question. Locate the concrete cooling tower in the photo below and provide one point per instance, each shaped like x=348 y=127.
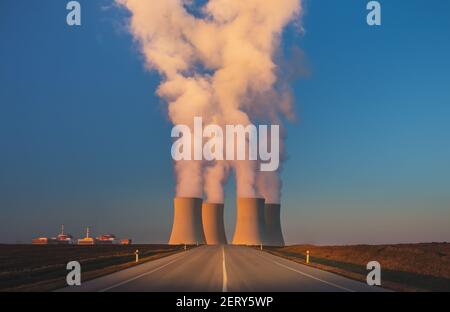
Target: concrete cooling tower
x=213 y=224
x=273 y=235
x=187 y=222
x=250 y=227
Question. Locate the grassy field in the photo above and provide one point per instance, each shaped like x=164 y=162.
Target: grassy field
x=404 y=267
x=43 y=268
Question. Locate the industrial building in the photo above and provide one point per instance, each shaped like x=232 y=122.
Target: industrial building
x=250 y=226
x=60 y=239
x=42 y=241
x=87 y=240
x=187 y=222
x=213 y=225
x=106 y=239
x=272 y=223
x=66 y=239
x=195 y=222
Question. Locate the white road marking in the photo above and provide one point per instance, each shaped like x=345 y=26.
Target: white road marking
x=313 y=277
x=224 y=271
x=139 y=276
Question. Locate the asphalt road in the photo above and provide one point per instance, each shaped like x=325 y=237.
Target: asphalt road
x=222 y=268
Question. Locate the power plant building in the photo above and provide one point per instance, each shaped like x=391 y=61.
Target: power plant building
x=106 y=239
x=187 y=222
x=272 y=223
x=66 y=239
x=87 y=240
x=257 y=223
x=60 y=239
x=213 y=225
x=250 y=225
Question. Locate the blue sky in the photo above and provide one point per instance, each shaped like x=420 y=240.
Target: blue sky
x=368 y=155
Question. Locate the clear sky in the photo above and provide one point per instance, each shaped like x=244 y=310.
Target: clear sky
x=84 y=140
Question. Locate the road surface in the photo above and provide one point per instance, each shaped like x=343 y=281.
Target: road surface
x=221 y=269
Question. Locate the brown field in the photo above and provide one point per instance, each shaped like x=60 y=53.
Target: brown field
x=404 y=267
x=43 y=268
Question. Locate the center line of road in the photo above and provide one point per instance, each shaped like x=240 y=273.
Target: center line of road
x=313 y=277
x=139 y=276
x=224 y=271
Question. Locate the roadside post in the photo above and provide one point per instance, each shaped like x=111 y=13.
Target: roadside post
x=307 y=256
x=137 y=255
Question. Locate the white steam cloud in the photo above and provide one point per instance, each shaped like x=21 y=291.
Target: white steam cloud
x=218 y=63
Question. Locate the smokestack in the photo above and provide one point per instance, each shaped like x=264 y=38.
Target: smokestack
x=213 y=225
x=250 y=222
x=273 y=235
x=187 y=222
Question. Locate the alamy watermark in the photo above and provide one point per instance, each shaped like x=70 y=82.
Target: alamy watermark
x=74 y=16
x=73 y=278
x=232 y=142
x=374 y=276
x=374 y=16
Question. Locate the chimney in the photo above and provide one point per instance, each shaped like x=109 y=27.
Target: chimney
x=212 y=215
x=250 y=222
x=187 y=222
x=274 y=235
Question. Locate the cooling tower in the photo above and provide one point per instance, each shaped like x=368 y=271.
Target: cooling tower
x=187 y=222
x=250 y=222
x=213 y=225
x=273 y=235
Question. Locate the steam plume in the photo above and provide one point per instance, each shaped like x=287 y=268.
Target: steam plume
x=217 y=64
